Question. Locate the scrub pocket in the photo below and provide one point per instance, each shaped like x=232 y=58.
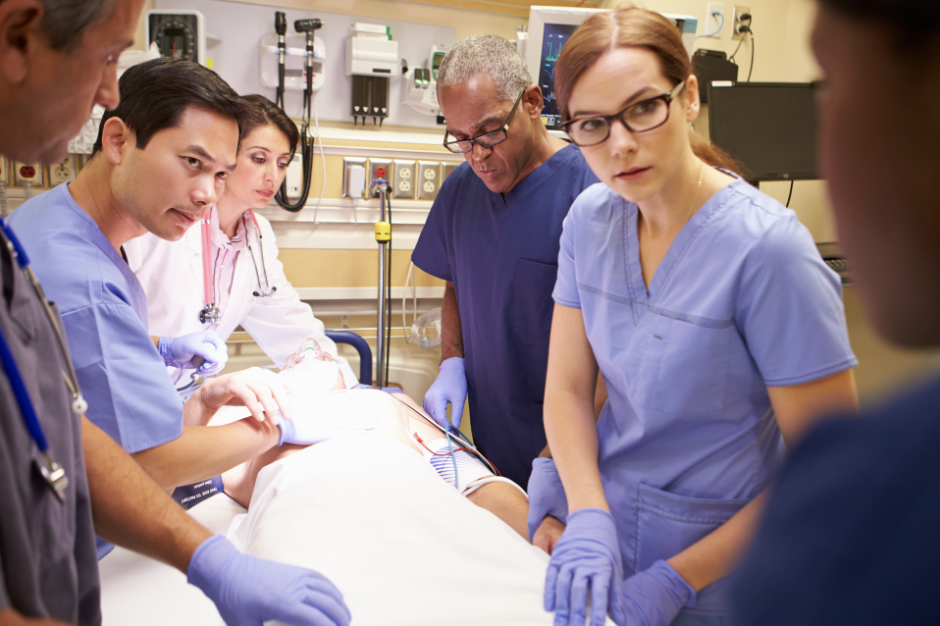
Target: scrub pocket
x=683 y=365
x=668 y=523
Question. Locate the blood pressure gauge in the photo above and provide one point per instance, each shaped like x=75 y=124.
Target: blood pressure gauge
x=179 y=34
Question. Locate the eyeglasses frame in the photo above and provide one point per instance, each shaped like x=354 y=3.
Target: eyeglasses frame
x=473 y=140
x=665 y=97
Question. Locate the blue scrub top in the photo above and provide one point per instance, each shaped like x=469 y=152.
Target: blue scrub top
x=741 y=301
x=501 y=254
x=104 y=311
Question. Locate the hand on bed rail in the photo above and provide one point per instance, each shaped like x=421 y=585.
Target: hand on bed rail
x=261 y=391
x=249 y=591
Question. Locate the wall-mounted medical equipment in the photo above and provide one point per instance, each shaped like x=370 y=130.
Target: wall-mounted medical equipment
x=371 y=59
x=419 y=84
x=770 y=128
x=308 y=27
x=295 y=61
x=178 y=33
x=548 y=32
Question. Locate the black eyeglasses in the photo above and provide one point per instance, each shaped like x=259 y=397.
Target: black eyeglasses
x=637 y=118
x=484 y=140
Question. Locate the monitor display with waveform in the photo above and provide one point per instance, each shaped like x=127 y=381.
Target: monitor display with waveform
x=554 y=37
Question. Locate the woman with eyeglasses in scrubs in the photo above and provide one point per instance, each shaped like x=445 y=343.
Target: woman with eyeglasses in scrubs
x=718 y=329
x=226 y=273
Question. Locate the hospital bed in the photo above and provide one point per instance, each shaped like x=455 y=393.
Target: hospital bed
x=373 y=516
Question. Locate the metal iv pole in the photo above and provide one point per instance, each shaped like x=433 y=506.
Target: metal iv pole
x=383 y=235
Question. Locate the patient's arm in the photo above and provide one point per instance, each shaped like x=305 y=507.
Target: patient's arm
x=501 y=499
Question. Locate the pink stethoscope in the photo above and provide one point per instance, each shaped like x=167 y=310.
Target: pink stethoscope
x=211 y=313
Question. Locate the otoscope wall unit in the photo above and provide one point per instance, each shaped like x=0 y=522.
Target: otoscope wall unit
x=246 y=55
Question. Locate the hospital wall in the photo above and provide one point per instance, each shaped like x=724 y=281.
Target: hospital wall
x=331 y=256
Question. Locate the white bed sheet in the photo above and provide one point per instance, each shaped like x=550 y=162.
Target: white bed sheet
x=403 y=546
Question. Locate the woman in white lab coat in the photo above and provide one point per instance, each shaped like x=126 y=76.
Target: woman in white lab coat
x=226 y=273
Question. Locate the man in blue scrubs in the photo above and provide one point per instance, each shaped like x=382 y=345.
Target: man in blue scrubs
x=493 y=235
x=58 y=59
x=851 y=532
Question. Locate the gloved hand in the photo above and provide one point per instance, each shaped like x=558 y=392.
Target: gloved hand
x=249 y=591
x=546 y=495
x=655 y=596
x=179 y=351
x=587 y=558
x=449 y=386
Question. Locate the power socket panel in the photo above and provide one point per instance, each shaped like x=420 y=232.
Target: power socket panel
x=446 y=169
x=429 y=179
x=736 y=20
x=351 y=164
x=403 y=179
x=379 y=168
x=63 y=172
x=25 y=173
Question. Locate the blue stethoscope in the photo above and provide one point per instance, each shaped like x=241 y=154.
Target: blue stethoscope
x=52 y=472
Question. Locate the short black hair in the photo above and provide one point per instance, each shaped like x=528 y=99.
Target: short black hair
x=913 y=22
x=155 y=94
x=266 y=112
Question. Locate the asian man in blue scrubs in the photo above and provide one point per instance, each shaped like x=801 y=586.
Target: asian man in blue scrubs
x=493 y=235
x=57 y=59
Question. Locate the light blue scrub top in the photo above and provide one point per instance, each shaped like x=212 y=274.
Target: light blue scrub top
x=104 y=310
x=741 y=301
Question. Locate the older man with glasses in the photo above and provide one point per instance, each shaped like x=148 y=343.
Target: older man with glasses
x=493 y=235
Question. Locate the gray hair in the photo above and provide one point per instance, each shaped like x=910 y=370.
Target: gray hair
x=66 y=21
x=486 y=55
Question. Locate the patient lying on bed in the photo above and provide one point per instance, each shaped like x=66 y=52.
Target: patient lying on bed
x=325 y=410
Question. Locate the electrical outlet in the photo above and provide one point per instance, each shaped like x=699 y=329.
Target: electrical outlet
x=429 y=179
x=403 y=179
x=62 y=172
x=295 y=178
x=714 y=19
x=24 y=173
x=353 y=176
x=737 y=22
x=379 y=168
x=446 y=169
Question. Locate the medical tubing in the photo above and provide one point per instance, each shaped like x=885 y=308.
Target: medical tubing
x=409 y=277
x=207 y=286
x=306 y=142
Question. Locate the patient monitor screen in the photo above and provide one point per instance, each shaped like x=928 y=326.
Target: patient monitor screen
x=553 y=38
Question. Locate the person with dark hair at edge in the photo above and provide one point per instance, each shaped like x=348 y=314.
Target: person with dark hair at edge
x=718 y=329
x=246 y=281
x=173 y=146
x=850 y=534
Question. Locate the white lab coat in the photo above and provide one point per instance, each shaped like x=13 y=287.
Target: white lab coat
x=171 y=275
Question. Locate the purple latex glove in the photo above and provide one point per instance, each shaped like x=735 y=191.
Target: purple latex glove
x=180 y=351
x=450 y=386
x=546 y=495
x=250 y=591
x=655 y=596
x=586 y=561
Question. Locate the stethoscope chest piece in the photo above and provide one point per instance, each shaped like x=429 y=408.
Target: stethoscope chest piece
x=210 y=315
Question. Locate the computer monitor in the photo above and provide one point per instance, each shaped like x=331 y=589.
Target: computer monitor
x=549 y=30
x=770 y=128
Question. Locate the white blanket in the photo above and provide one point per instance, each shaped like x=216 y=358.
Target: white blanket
x=402 y=545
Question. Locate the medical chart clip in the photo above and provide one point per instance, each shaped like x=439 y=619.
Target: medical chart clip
x=383 y=235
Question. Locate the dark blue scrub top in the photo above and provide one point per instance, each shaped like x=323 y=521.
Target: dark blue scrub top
x=850 y=535
x=502 y=256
